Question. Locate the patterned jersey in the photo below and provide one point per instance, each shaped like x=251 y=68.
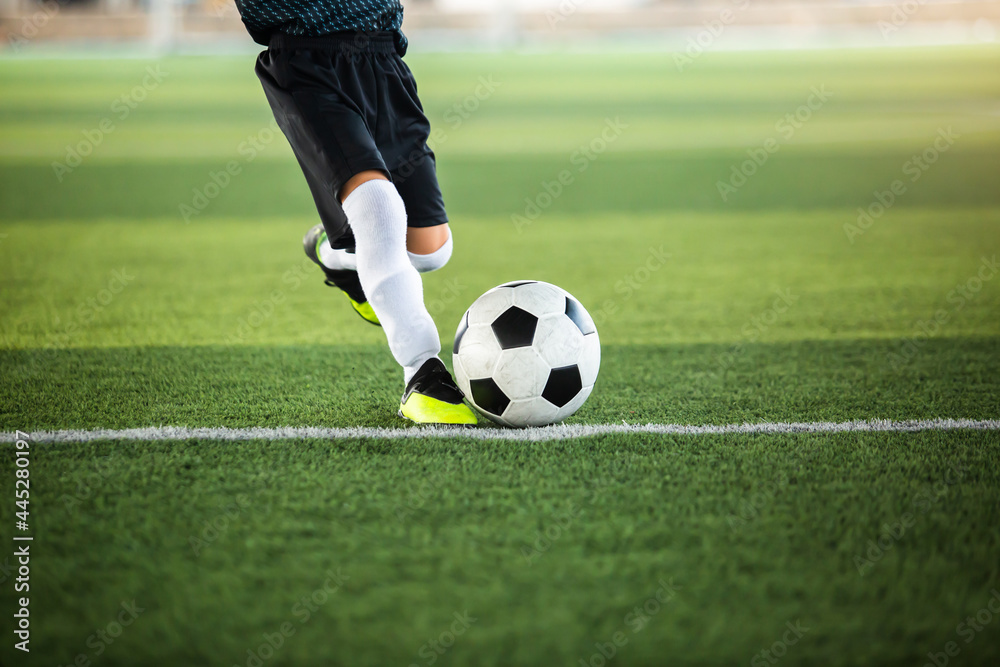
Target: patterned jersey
x=312 y=18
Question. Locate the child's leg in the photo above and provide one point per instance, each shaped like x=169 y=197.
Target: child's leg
x=377 y=217
x=429 y=249
x=328 y=98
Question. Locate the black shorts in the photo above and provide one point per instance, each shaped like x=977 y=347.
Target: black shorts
x=347 y=103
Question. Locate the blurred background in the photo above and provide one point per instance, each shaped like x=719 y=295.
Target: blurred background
x=214 y=25
x=517 y=91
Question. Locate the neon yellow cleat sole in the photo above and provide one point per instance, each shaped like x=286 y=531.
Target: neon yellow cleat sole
x=432 y=397
x=426 y=410
x=365 y=310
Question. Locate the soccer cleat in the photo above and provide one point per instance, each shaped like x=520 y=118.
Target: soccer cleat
x=345 y=279
x=432 y=397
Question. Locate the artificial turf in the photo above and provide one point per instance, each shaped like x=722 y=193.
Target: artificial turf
x=121 y=311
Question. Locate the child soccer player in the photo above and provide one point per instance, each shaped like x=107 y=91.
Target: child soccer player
x=336 y=82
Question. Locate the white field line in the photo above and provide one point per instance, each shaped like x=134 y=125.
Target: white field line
x=556 y=432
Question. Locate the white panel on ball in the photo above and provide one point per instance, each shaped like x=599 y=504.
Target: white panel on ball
x=479 y=351
x=521 y=373
x=531 y=412
x=490 y=305
x=590 y=359
x=558 y=341
x=539 y=298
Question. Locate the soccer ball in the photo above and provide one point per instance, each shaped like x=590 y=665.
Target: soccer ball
x=527 y=354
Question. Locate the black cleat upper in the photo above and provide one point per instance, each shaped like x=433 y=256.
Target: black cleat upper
x=348 y=281
x=434 y=380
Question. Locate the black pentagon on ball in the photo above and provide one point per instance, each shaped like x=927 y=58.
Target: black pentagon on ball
x=519 y=283
x=488 y=396
x=562 y=386
x=581 y=318
x=463 y=326
x=514 y=328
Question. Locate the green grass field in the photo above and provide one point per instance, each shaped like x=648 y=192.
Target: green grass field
x=136 y=292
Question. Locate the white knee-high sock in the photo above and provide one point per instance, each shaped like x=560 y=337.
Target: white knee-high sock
x=377 y=217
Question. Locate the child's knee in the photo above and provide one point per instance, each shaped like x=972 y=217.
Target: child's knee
x=432 y=261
